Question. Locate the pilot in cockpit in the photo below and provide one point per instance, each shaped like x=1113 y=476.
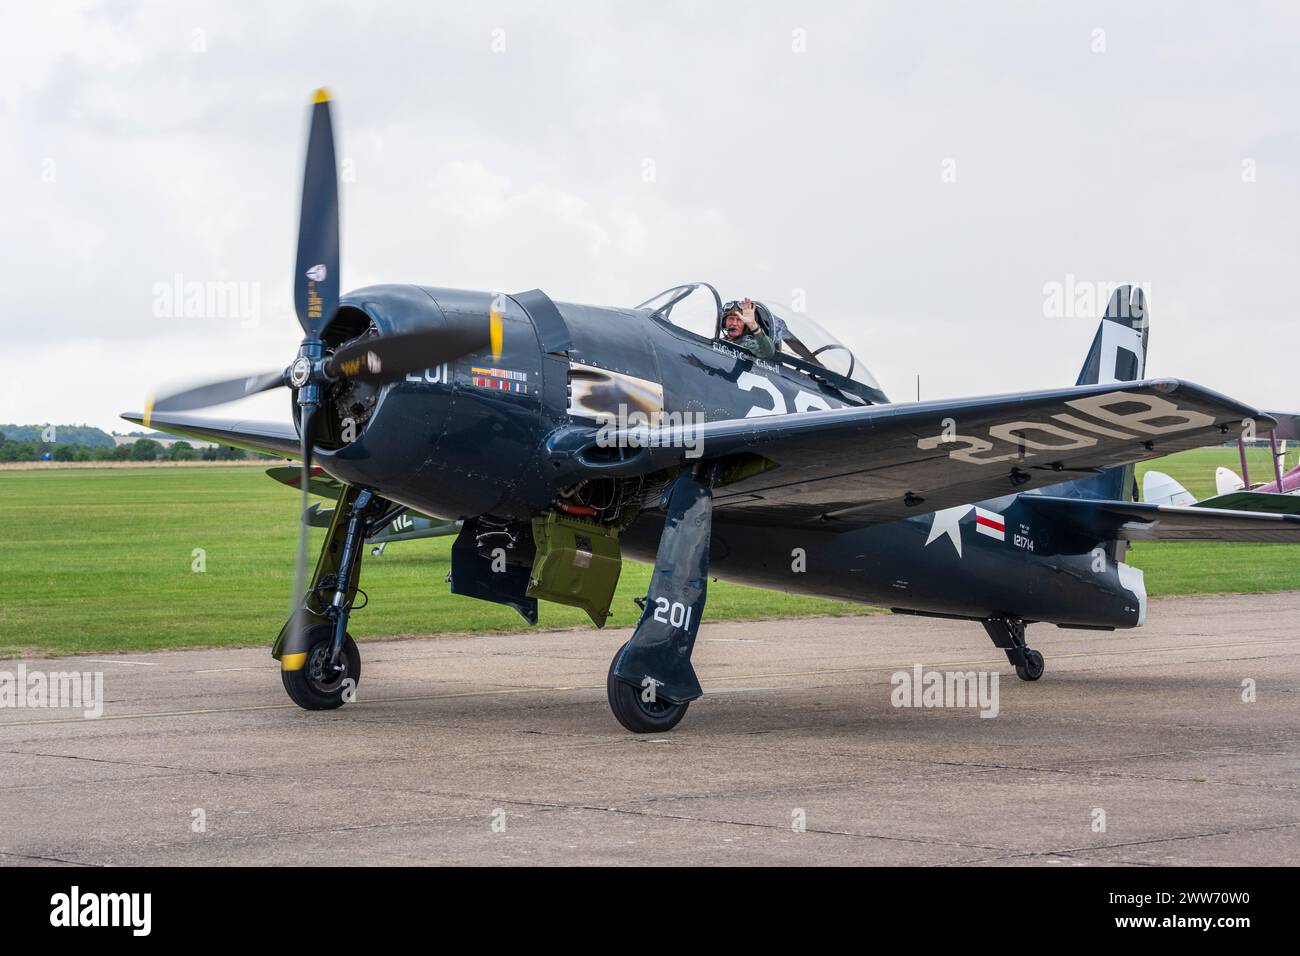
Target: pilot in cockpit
x=741 y=327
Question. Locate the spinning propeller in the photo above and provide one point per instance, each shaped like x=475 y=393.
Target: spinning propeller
x=316 y=370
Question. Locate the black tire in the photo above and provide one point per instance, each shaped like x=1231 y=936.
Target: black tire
x=309 y=687
x=1033 y=667
x=637 y=715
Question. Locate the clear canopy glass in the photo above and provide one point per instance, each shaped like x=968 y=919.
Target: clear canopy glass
x=697 y=307
x=803 y=337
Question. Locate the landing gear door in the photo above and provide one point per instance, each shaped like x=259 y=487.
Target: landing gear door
x=494 y=565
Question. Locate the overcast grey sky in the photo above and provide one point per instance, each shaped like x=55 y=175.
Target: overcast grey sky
x=922 y=171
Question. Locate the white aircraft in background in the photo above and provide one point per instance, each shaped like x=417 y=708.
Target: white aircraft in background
x=1280 y=496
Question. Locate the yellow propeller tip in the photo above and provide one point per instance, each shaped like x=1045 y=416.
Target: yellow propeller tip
x=496 y=332
x=148 y=410
x=322 y=95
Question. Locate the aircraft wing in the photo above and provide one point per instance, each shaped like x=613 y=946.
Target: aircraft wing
x=267 y=438
x=1138 y=521
x=851 y=467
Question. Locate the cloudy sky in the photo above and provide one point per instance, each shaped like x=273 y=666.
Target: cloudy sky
x=923 y=172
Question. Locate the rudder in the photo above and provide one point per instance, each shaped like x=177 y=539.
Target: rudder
x=1119 y=348
x=1118 y=354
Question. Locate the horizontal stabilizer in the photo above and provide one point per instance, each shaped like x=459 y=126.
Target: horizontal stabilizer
x=1140 y=521
x=1267 y=502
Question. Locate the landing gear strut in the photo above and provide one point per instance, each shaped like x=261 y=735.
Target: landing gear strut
x=319 y=662
x=1008 y=633
x=651 y=681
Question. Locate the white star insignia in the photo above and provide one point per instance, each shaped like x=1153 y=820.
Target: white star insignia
x=945 y=523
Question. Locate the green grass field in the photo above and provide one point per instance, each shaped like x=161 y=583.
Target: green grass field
x=98 y=560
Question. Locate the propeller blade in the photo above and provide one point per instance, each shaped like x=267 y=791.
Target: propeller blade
x=388 y=358
x=297 y=618
x=214 y=393
x=316 y=274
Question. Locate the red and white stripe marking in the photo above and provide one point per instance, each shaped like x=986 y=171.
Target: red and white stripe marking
x=991 y=524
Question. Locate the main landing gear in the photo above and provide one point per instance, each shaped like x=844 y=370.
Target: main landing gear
x=1008 y=633
x=320 y=665
x=651 y=681
x=641 y=710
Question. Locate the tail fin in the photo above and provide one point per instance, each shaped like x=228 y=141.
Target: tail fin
x=1119 y=348
x=1226 y=481
x=1159 y=489
x=1118 y=354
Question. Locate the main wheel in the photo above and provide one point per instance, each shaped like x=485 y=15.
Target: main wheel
x=637 y=715
x=1033 y=667
x=317 y=686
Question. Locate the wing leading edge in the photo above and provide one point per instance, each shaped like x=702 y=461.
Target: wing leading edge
x=268 y=438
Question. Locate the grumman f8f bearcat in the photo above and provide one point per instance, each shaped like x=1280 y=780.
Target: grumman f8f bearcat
x=564 y=437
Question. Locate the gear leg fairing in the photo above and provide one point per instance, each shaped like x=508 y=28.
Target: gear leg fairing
x=659 y=653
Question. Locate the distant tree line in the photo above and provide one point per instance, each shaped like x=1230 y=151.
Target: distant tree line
x=142 y=449
x=86 y=435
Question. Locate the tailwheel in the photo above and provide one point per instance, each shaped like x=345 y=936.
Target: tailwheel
x=637 y=714
x=1008 y=633
x=317 y=685
x=1033 y=665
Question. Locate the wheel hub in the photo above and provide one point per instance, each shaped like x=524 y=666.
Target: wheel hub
x=656 y=707
x=324 y=676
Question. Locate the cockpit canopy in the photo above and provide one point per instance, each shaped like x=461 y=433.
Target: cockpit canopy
x=697 y=307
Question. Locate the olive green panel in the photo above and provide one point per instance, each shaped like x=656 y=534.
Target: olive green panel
x=577 y=563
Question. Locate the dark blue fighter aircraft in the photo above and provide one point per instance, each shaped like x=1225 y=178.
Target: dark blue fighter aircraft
x=565 y=437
